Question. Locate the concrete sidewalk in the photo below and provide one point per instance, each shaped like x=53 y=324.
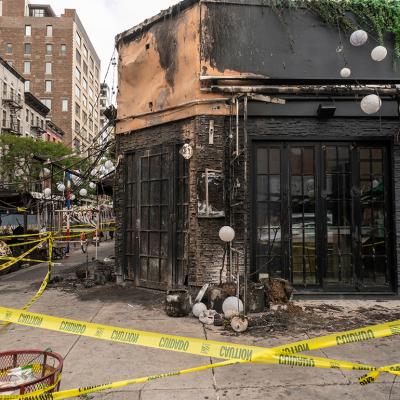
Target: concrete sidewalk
x=91 y=362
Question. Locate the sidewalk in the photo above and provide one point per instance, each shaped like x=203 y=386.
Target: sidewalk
x=90 y=361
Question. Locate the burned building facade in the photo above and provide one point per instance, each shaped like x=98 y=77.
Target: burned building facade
x=227 y=116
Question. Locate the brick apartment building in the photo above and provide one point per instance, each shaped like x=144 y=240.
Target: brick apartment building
x=276 y=145
x=59 y=63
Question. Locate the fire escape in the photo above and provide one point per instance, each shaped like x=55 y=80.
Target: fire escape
x=14 y=103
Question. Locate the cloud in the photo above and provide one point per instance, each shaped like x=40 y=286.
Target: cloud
x=104 y=19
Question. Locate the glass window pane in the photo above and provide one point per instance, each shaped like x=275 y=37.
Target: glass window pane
x=262 y=161
x=274 y=161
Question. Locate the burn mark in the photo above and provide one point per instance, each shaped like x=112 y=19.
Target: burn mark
x=167 y=47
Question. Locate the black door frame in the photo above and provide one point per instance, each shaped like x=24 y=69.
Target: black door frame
x=384 y=142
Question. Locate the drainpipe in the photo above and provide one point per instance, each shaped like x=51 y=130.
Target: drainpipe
x=245 y=201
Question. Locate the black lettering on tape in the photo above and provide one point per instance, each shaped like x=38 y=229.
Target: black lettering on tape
x=238 y=353
x=297 y=348
x=27 y=319
x=72 y=327
x=173 y=344
x=166 y=375
x=295 y=361
x=126 y=337
x=358 y=336
x=395 y=329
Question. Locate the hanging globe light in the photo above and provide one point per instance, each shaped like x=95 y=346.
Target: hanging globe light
x=60 y=187
x=345 y=72
x=92 y=185
x=358 y=38
x=93 y=172
x=83 y=192
x=379 y=53
x=371 y=104
x=226 y=234
x=109 y=165
x=46 y=172
x=47 y=192
x=72 y=197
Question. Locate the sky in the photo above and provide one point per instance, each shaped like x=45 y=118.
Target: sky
x=103 y=19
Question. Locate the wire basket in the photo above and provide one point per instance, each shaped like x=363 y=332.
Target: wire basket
x=44 y=368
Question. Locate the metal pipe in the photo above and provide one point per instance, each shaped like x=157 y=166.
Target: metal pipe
x=237 y=127
x=245 y=200
x=327 y=89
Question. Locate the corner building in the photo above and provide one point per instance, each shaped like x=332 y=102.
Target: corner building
x=280 y=150
x=58 y=62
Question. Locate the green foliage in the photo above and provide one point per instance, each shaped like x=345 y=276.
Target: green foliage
x=376 y=16
x=17 y=165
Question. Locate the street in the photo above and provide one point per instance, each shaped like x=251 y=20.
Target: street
x=90 y=362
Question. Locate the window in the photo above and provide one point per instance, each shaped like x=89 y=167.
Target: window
x=28 y=30
x=49 y=30
x=64 y=105
x=85 y=68
x=84 y=117
x=97 y=73
x=84 y=133
x=28 y=48
x=91 y=63
x=77 y=144
x=77 y=92
x=5 y=89
x=96 y=129
x=77 y=110
x=84 y=84
x=85 y=52
x=91 y=78
x=48 y=86
x=91 y=93
x=78 y=39
x=91 y=124
x=32 y=118
x=27 y=67
x=77 y=127
x=27 y=85
x=27 y=115
x=63 y=49
x=77 y=74
x=84 y=100
x=49 y=49
x=4 y=118
x=78 y=57
x=38 y=12
x=9 y=48
x=46 y=102
x=49 y=68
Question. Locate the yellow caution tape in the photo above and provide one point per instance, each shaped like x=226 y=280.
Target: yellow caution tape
x=20 y=257
x=25 y=243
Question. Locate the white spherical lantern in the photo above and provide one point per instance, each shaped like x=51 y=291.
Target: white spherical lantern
x=371 y=104
x=232 y=306
x=47 y=192
x=92 y=185
x=198 y=308
x=109 y=165
x=345 y=72
x=379 y=53
x=72 y=197
x=60 y=187
x=46 y=172
x=93 y=172
x=358 y=38
x=226 y=234
x=83 y=192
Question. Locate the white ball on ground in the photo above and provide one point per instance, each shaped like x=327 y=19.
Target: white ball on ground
x=232 y=306
x=198 y=308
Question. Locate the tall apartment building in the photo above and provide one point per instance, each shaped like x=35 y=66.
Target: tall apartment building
x=59 y=63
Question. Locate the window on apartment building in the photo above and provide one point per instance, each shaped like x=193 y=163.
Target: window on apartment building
x=78 y=39
x=77 y=144
x=84 y=84
x=84 y=133
x=5 y=90
x=91 y=63
x=27 y=67
x=84 y=100
x=85 y=68
x=9 y=48
x=49 y=49
x=91 y=124
x=90 y=138
x=48 y=86
x=27 y=86
x=77 y=92
x=27 y=48
x=64 y=105
x=27 y=115
x=97 y=73
x=78 y=57
x=77 y=74
x=91 y=93
x=28 y=30
x=96 y=129
x=49 y=30
x=37 y=121
x=63 y=49
x=77 y=110
x=38 y=12
x=91 y=78
x=85 y=51
x=32 y=118
x=4 y=122
x=46 y=102
x=48 y=68
x=84 y=117
x=77 y=127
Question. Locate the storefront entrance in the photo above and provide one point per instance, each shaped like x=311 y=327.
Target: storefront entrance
x=322 y=215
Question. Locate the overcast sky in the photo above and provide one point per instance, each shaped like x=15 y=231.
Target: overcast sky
x=103 y=19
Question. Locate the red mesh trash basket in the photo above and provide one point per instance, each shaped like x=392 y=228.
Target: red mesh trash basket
x=46 y=369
